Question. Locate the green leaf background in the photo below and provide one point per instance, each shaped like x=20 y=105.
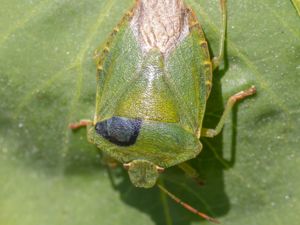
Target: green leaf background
x=49 y=175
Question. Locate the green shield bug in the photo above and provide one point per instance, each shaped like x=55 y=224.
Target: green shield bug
x=154 y=76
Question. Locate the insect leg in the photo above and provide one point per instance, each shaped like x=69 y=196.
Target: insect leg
x=191 y=172
x=187 y=206
x=81 y=123
x=217 y=59
x=230 y=103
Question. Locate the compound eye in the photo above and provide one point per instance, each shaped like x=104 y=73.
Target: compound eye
x=119 y=130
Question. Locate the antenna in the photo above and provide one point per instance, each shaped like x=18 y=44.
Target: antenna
x=187 y=206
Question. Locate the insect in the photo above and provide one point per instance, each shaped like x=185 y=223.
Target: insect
x=154 y=76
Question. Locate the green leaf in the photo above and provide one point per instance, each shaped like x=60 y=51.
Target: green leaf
x=49 y=175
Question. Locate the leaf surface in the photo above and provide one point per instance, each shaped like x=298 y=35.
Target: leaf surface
x=49 y=175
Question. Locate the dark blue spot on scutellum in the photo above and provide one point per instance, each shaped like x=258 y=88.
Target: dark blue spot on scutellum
x=119 y=130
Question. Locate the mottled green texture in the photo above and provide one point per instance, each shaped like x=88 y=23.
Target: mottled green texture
x=165 y=144
x=167 y=93
x=186 y=76
x=143 y=173
x=119 y=71
x=47 y=80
